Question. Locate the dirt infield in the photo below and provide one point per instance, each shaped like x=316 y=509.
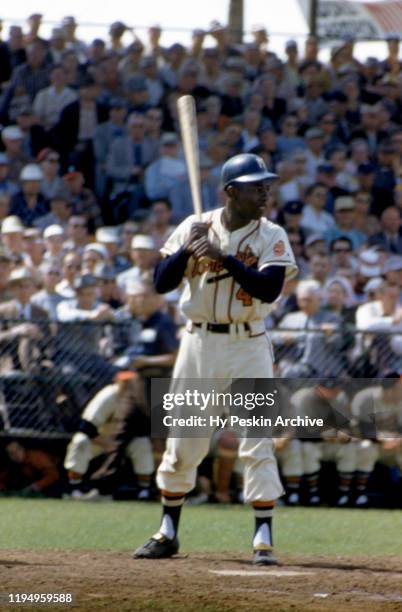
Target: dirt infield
x=212 y=582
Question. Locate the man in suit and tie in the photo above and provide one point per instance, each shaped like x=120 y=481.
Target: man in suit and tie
x=129 y=156
x=390 y=237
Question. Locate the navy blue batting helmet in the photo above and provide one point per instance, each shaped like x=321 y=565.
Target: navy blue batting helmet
x=245 y=168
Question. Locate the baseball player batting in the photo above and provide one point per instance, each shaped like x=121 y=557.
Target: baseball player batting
x=235 y=262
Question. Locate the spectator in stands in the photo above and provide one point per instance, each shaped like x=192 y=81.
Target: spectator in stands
x=69 y=26
x=12 y=138
x=383 y=315
x=359 y=155
x=390 y=236
x=52 y=184
x=60 y=212
x=314 y=217
x=129 y=156
x=116 y=32
x=137 y=94
x=50 y=101
x=320 y=268
x=288 y=142
x=33 y=247
x=314 y=152
x=108 y=292
x=47 y=298
x=180 y=192
x=93 y=255
x=160 y=222
x=77 y=232
x=341 y=250
x=337 y=158
x=23 y=320
x=393 y=270
x=384 y=180
x=369 y=127
x=4 y=206
x=5 y=270
x=364 y=221
x=165 y=172
x=33 y=75
x=78 y=121
x=78 y=353
x=82 y=199
x=12 y=234
x=29 y=204
x=316 y=333
x=130 y=63
x=7 y=187
x=70 y=270
x=150 y=341
x=72 y=69
x=105 y=134
x=53 y=236
x=149 y=69
x=57 y=44
x=143 y=255
x=345 y=227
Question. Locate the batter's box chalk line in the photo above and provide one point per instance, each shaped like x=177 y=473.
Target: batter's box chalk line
x=273 y=572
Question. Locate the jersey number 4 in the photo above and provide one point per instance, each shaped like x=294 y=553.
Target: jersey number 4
x=244 y=297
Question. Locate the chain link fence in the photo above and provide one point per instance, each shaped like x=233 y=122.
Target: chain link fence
x=49 y=371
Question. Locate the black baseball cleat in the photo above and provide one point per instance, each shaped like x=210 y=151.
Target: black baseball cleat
x=157 y=547
x=264 y=556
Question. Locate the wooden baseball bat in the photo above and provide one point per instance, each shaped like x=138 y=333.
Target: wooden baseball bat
x=189 y=136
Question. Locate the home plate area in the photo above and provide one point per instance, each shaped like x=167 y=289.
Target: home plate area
x=111 y=580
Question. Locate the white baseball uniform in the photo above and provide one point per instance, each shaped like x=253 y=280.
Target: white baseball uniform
x=241 y=353
x=101 y=411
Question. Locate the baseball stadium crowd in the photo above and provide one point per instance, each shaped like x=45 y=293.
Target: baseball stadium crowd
x=92 y=182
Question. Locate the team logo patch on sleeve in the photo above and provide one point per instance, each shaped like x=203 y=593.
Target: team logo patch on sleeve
x=279 y=248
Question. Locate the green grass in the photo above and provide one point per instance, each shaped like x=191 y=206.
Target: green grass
x=64 y=524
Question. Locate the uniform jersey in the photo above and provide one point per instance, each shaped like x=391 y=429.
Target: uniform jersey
x=205 y=299
x=374 y=414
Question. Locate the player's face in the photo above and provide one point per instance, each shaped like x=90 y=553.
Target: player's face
x=250 y=200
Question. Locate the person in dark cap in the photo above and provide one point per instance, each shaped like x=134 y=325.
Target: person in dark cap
x=290 y=215
x=137 y=94
x=116 y=32
x=108 y=291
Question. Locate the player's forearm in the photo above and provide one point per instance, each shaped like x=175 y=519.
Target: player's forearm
x=170 y=271
x=158 y=360
x=265 y=285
